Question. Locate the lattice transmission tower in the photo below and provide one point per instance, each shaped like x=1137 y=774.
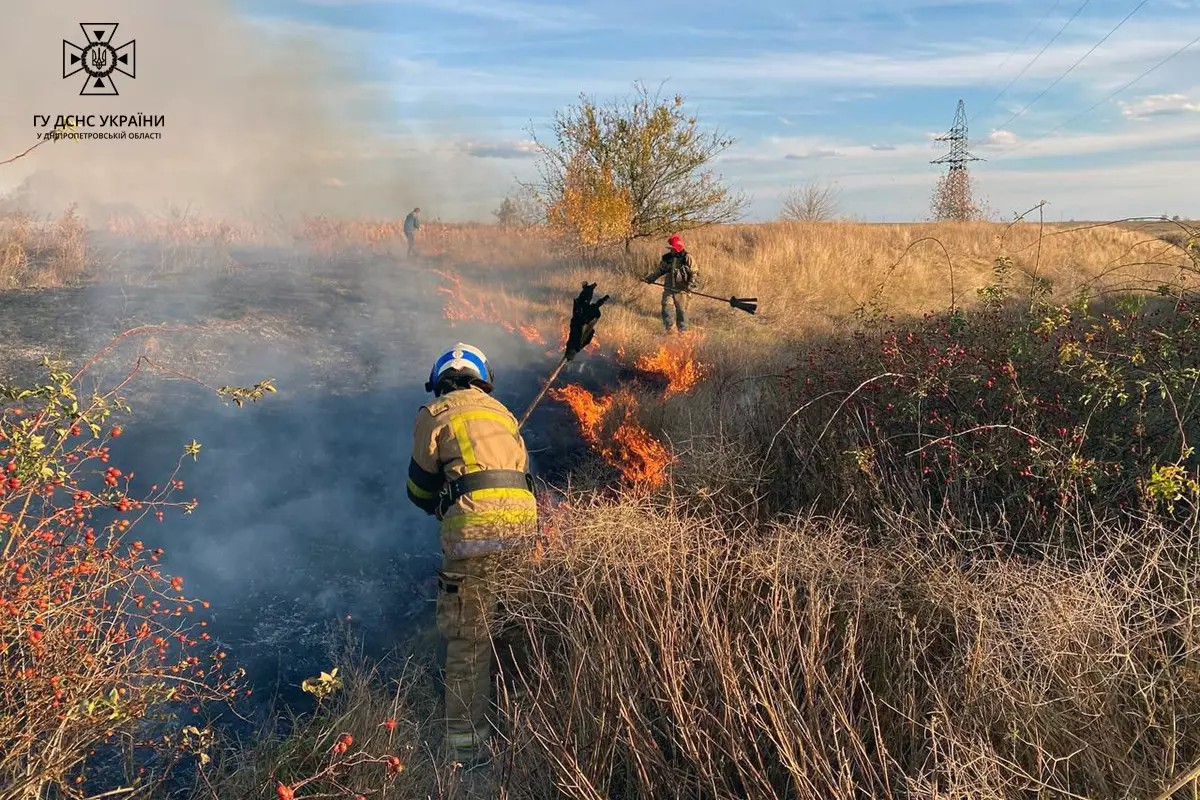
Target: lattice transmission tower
x=952 y=198
x=958 y=156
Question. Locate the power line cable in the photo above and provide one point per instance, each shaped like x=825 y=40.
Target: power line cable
x=1092 y=108
x=1007 y=58
x=1032 y=31
x=1071 y=68
x=1034 y=60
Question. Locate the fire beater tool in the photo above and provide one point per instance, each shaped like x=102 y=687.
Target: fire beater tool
x=747 y=304
x=584 y=313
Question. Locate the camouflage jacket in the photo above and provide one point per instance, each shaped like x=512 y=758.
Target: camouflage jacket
x=678 y=271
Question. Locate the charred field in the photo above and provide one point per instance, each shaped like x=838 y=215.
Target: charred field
x=302 y=524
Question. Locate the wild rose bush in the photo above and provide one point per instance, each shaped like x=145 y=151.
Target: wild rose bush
x=367 y=734
x=101 y=646
x=1030 y=410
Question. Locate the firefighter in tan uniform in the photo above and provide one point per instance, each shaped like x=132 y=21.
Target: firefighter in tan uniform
x=469 y=468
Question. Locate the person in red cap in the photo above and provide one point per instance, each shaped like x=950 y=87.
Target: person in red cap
x=679 y=274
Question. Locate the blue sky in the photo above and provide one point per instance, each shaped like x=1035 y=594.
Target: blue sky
x=848 y=93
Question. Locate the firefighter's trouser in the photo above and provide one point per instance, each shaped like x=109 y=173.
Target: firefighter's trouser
x=679 y=300
x=466 y=616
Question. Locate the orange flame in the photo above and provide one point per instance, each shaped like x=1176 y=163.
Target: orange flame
x=676 y=361
x=462 y=304
x=531 y=334
x=640 y=458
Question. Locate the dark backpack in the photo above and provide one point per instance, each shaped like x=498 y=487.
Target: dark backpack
x=681 y=269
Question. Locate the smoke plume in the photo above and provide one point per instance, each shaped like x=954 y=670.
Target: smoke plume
x=262 y=117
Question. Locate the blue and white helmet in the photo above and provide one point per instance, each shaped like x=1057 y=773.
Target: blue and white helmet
x=461 y=361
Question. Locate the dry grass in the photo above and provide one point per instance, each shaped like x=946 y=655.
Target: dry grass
x=690 y=647
x=687 y=644
x=808 y=277
x=42 y=253
x=683 y=656
x=389 y=710
x=829 y=269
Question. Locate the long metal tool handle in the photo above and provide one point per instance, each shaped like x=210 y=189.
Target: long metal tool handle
x=545 y=388
x=747 y=304
x=693 y=291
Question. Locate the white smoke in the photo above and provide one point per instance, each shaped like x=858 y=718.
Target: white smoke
x=259 y=118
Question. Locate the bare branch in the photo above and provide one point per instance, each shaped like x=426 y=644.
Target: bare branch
x=27 y=152
x=812 y=202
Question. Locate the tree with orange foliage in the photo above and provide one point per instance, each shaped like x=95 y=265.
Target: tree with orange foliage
x=644 y=152
x=591 y=209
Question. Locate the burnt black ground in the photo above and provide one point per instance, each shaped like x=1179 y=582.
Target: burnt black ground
x=303 y=520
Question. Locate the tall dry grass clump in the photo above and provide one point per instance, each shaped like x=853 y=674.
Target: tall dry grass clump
x=35 y=254
x=366 y=734
x=676 y=656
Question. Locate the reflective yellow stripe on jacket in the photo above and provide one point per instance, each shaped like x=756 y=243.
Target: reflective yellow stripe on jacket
x=458 y=423
x=418 y=491
x=466 y=431
x=495 y=516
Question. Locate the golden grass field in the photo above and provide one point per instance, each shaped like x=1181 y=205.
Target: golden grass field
x=808 y=277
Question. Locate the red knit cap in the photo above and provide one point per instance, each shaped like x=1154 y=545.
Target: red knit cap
x=676 y=243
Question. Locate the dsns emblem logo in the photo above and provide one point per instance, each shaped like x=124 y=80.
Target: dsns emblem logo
x=98 y=59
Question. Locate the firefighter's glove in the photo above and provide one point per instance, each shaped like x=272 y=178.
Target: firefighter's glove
x=584 y=313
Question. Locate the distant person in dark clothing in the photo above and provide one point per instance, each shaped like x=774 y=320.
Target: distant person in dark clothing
x=680 y=273
x=411 y=224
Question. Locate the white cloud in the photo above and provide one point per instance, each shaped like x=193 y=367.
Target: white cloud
x=883 y=148
x=935 y=68
x=1000 y=138
x=522 y=149
x=1168 y=133
x=1159 y=105
x=753 y=77
x=813 y=153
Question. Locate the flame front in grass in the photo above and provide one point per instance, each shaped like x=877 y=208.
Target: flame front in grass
x=638 y=456
x=531 y=334
x=675 y=361
x=462 y=304
x=588 y=410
